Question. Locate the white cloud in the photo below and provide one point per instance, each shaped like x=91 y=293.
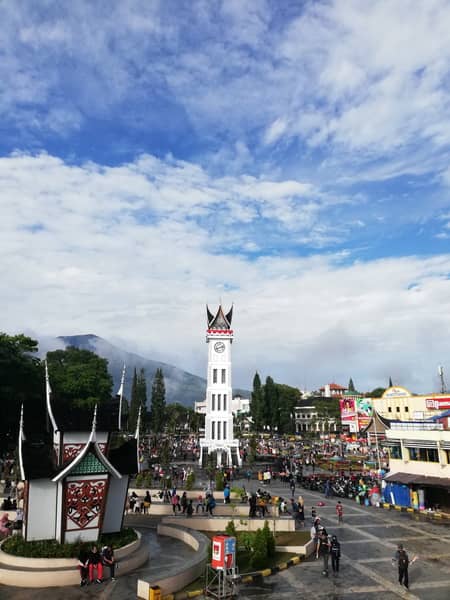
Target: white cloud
x=79 y=255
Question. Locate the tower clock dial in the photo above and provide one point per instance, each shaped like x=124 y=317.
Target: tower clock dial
x=219 y=347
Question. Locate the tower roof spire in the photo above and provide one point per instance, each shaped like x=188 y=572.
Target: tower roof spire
x=220 y=320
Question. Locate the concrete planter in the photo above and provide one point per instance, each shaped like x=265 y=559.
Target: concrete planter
x=55 y=572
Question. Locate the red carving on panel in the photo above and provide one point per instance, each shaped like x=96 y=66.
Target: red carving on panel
x=71 y=451
x=84 y=501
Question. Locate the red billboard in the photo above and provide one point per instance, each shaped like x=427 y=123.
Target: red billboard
x=437 y=403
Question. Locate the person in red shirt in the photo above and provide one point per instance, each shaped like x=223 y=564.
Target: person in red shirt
x=340 y=512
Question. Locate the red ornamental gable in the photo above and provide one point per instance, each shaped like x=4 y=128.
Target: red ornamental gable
x=84 y=502
x=72 y=450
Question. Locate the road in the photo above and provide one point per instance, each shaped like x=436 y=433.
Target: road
x=369 y=537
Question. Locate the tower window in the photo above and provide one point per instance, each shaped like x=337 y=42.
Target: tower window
x=213 y=429
x=224 y=430
x=218 y=430
x=218 y=401
x=213 y=402
x=214 y=375
x=224 y=402
x=224 y=376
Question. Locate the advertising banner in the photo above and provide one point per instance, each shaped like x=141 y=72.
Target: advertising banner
x=348 y=412
x=364 y=412
x=437 y=403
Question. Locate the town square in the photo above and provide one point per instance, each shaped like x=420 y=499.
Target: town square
x=224 y=299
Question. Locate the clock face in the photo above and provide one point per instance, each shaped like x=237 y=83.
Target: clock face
x=219 y=346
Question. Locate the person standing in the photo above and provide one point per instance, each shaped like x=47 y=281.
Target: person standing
x=324 y=550
x=210 y=505
x=226 y=494
x=335 y=551
x=292 y=486
x=402 y=560
x=340 y=512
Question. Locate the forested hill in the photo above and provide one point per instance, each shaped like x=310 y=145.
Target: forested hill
x=181 y=386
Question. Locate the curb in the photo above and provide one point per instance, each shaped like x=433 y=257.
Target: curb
x=245 y=579
x=416 y=511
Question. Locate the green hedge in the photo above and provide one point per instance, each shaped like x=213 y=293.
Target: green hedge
x=17 y=546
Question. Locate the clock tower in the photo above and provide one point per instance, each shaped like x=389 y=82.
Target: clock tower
x=219 y=392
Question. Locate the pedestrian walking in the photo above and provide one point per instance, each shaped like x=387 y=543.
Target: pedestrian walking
x=323 y=550
x=335 y=551
x=402 y=560
x=340 y=512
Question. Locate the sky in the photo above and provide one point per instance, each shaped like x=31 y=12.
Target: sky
x=291 y=158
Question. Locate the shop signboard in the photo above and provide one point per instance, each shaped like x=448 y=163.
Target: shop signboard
x=437 y=403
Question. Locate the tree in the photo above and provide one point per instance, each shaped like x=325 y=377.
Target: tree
x=351 y=387
x=270 y=403
x=390 y=382
x=376 y=393
x=21 y=382
x=79 y=377
x=288 y=398
x=175 y=417
x=158 y=401
x=138 y=400
x=256 y=403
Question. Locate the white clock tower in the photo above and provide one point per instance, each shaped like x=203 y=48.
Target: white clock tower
x=219 y=392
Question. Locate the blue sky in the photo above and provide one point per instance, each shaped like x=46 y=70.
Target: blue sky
x=290 y=157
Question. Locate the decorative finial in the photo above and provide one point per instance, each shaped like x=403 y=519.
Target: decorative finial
x=120 y=394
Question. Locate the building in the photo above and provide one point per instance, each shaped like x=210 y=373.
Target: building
x=332 y=390
x=219 y=434
x=419 y=463
x=398 y=403
x=307 y=419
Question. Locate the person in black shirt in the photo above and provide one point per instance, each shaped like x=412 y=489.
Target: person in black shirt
x=83 y=566
x=109 y=560
x=402 y=560
x=335 y=551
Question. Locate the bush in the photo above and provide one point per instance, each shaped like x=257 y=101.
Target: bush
x=258 y=558
x=230 y=529
x=269 y=540
x=147 y=481
x=139 y=480
x=219 y=481
x=190 y=480
x=17 y=546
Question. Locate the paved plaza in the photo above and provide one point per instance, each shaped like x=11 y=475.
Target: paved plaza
x=368 y=537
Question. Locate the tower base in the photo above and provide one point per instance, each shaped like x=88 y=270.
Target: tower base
x=226 y=452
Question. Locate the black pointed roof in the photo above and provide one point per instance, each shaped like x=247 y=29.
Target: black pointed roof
x=220 y=320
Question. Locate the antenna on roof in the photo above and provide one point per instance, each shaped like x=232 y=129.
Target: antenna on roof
x=441 y=377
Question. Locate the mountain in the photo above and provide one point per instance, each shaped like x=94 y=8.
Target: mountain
x=181 y=386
